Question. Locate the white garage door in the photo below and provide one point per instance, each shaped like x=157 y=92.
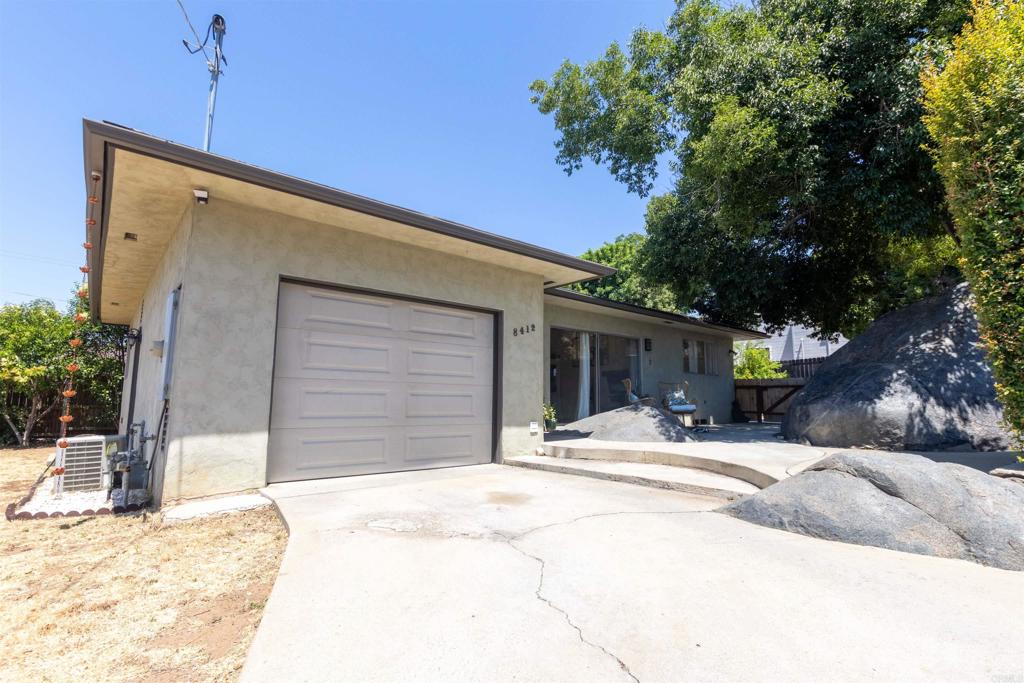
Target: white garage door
x=372 y=384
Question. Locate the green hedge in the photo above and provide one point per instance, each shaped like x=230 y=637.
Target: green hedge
x=975 y=114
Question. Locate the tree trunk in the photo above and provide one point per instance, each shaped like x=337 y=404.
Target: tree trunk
x=30 y=421
x=34 y=416
x=951 y=229
x=14 y=428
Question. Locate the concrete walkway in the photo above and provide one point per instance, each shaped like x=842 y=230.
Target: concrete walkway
x=492 y=573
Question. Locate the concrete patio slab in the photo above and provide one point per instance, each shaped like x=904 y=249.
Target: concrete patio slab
x=492 y=573
x=685 y=479
x=753 y=452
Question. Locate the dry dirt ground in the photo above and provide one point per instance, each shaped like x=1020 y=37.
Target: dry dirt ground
x=129 y=598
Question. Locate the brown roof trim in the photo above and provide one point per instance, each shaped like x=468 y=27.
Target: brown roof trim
x=101 y=135
x=735 y=332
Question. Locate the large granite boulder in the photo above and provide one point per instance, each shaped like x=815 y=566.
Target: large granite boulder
x=638 y=422
x=898 y=501
x=916 y=380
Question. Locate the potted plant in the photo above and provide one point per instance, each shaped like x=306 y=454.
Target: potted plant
x=550 y=418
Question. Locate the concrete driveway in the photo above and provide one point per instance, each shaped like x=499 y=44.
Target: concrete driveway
x=491 y=573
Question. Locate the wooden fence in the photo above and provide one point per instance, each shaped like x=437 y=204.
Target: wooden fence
x=766 y=400
x=802 y=368
x=90 y=418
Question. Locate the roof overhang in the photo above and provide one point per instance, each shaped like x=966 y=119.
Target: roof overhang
x=146 y=187
x=572 y=299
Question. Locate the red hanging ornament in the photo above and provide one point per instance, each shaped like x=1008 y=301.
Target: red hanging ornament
x=93 y=199
x=73 y=367
x=84 y=269
x=65 y=418
x=63 y=443
x=76 y=342
x=87 y=245
x=90 y=221
x=57 y=471
x=81 y=317
x=69 y=393
x=83 y=293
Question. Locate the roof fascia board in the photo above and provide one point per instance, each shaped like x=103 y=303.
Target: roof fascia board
x=734 y=332
x=97 y=157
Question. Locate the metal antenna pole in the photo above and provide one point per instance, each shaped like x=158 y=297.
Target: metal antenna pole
x=219 y=29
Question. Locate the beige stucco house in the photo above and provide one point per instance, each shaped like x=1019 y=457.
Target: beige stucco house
x=286 y=330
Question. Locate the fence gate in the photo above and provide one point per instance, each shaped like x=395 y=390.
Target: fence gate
x=766 y=400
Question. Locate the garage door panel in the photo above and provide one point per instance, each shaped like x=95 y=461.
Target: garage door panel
x=433 y=447
x=341 y=355
x=431 y=323
x=320 y=402
x=446 y=404
x=330 y=452
x=307 y=308
x=318 y=355
x=311 y=308
x=301 y=353
x=437 y=363
x=325 y=403
x=326 y=452
x=368 y=384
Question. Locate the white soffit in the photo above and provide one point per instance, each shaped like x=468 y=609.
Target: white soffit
x=150 y=196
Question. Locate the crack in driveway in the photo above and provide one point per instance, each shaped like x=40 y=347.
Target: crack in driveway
x=396 y=525
x=568 y=619
x=539 y=592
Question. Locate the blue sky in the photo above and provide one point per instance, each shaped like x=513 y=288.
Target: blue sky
x=424 y=105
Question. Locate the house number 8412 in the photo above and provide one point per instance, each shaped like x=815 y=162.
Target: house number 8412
x=523 y=329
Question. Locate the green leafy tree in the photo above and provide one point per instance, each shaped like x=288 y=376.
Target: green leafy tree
x=975 y=114
x=754 y=362
x=34 y=353
x=794 y=132
x=629 y=284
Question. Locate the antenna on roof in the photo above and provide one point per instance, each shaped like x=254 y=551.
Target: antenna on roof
x=218 y=27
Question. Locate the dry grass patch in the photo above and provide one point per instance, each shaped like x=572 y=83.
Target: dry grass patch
x=129 y=598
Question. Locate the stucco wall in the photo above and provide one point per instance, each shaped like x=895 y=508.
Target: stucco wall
x=150 y=320
x=713 y=394
x=224 y=363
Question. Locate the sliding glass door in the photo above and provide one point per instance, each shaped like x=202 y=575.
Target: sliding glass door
x=618 y=371
x=572 y=373
x=592 y=372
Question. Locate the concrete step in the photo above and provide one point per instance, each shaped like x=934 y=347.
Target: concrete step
x=759 y=464
x=685 y=479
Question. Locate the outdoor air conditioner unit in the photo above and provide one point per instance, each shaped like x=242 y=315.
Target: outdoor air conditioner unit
x=86 y=463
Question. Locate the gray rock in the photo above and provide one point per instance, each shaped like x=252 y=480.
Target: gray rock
x=916 y=380
x=898 y=501
x=1014 y=472
x=633 y=423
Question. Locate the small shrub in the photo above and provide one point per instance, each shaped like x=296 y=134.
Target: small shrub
x=550 y=417
x=754 y=362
